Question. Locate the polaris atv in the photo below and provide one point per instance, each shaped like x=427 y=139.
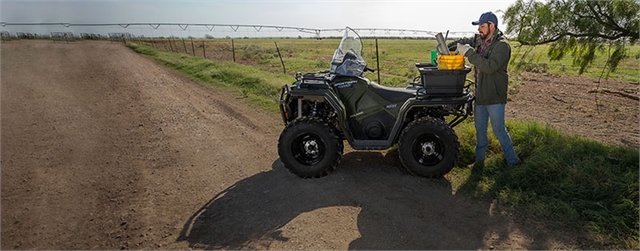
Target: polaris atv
x=322 y=109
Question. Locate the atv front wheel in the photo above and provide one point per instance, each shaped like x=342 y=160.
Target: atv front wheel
x=309 y=148
x=428 y=147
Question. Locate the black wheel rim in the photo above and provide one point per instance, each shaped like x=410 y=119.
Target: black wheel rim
x=308 y=149
x=428 y=150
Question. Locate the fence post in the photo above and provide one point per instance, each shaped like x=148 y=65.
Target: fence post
x=233 y=50
x=170 y=44
x=193 y=48
x=378 y=61
x=280 y=55
x=204 y=51
x=185 y=46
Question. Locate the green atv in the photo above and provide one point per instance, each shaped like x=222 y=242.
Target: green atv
x=322 y=109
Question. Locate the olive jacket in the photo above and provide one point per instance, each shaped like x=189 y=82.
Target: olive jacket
x=491 y=79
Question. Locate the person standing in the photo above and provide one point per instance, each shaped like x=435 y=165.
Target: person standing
x=490 y=59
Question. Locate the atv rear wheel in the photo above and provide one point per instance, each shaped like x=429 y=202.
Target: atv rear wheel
x=428 y=147
x=309 y=147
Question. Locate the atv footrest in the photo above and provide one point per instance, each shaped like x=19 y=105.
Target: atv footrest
x=370 y=144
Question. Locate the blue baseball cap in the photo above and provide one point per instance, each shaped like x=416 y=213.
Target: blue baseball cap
x=487 y=17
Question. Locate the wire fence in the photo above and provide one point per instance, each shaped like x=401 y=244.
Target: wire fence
x=230 y=41
x=220 y=49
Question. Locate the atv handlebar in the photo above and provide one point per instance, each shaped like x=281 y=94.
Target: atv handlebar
x=369 y=69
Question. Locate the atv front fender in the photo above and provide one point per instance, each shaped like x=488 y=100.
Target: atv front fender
x=288 y=93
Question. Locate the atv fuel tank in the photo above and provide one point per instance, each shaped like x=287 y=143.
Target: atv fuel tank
x=369 y=115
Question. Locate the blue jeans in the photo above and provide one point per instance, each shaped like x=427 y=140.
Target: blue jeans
x=481 y=118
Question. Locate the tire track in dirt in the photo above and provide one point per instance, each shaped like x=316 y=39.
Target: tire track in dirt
x=93 y=141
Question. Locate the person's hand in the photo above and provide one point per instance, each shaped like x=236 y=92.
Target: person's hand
x=463 y=48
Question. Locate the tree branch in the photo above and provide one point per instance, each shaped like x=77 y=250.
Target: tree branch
x=570 y=34
x=596 y=16
x=621 y=94
x=612 y=24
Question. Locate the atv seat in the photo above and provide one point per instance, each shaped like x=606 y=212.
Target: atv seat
x=395 y=95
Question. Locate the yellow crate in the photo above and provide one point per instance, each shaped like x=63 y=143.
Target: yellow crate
x=451 y=62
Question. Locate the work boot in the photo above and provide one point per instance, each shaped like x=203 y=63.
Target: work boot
x=515 y=164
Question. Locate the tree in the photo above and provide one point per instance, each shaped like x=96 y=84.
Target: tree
x=579 y=28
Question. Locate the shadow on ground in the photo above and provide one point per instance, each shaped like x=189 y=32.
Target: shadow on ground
x=397 y=210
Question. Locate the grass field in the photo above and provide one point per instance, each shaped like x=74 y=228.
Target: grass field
x=628 y=70
x=397 y=57
x=570 y=182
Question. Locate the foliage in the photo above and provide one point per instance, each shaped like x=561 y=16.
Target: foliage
x=535 y=59
x=576 y=28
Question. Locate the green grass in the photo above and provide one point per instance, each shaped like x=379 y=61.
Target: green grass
x=258 y=87
x=572 y=181
x=397 y=57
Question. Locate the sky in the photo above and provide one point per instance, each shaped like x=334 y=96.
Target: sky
x=424 y=15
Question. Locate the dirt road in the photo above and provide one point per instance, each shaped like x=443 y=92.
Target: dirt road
x=105 y=149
